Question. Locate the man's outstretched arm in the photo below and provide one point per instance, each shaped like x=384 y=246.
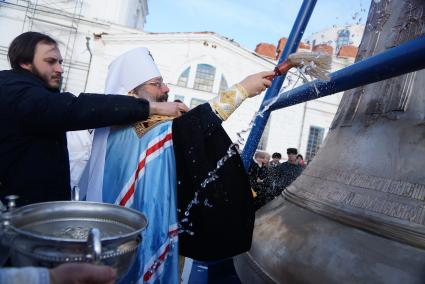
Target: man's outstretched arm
x=228 y=101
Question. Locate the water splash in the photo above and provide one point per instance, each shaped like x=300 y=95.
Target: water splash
x=303 y=76
x=212 y=175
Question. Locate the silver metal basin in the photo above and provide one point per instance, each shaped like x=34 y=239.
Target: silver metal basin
x=52 y=233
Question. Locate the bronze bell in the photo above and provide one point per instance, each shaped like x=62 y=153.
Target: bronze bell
x=357 y=213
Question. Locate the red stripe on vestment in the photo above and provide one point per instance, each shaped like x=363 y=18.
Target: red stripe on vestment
x=141 y=165
x=173 y=233
x=148 y=274
x=156 y=264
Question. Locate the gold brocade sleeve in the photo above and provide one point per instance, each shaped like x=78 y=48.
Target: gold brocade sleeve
x=228 y=101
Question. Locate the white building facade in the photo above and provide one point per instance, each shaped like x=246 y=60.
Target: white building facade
x=73 y=24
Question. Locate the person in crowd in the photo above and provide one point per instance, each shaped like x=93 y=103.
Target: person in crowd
x=257 y=175
x=279 y=176
x=276 y=157
x=34 y=117
x=290 y=169
x=150 y=165
x=300 y=161
x=258 y=170
x=272 y=180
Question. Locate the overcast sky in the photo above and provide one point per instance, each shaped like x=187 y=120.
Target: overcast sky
x=249 y=21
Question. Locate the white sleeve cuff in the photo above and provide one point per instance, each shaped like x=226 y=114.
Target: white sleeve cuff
x=24 y=275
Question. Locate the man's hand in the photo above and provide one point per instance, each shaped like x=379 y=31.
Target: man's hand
x=256 y=83
x=168 y=108
x=82 y=273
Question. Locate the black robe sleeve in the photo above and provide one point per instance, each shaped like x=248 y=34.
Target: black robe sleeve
x=225 y=229
x=39 y=109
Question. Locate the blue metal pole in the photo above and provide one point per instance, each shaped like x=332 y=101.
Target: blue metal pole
x=291 y=46
x=405 y=58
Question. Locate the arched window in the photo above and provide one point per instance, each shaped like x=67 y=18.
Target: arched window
x=343 y=38
x=184 y=78
x=223 y=84
x=204 y=78
x=315 y=138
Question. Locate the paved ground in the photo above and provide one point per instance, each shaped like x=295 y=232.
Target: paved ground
x=212 y=272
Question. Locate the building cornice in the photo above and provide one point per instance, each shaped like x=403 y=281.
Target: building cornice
x=211 y=38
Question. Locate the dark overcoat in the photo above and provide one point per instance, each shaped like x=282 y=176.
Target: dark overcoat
x=34 y=161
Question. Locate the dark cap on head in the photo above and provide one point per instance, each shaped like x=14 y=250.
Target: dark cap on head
x=276 y=155
x=292 y=151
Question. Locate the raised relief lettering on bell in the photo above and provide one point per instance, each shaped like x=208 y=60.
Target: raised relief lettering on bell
x=386 y=205
x=379 y=16
x=400 y=91
x=347 y=108
x=409 y=25
x=395 y=98
x=385 y=185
